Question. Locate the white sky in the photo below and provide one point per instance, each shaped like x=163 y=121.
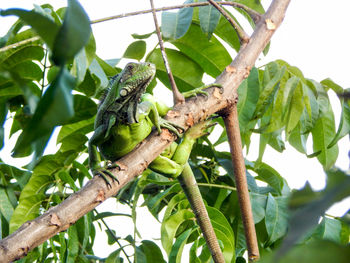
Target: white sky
x=314 y=37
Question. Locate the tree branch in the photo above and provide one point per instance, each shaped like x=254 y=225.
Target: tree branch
x=252 y=13
x=243 y=37
x=60 y=217
x=230 y=116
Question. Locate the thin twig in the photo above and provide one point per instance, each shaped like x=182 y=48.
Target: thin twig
x=177 y=96
x=23 y=42
x=252 y=13
x=243 y=37
x=230 y=117
x=114 y=237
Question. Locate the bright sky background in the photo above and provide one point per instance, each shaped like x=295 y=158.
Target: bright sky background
x=314 y=37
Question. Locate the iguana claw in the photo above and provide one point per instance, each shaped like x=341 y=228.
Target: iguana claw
x=201 y=91
x=173 y=127
x=104 y=173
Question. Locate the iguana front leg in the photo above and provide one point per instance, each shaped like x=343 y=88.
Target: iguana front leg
x=149 y=108
x=94 y=160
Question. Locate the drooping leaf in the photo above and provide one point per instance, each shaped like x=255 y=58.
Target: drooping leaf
x=55 y=108
x=151 y=251
x=276 y=219
x=46 y=28
x=73 y=35
x=226 y=32
x=26 y=210
x=322 y=135
x=209 y=18
x=177 y=248
x=176 y=24
x=248 y=94
x=344 y=125
x=73 y=244
x=170 y=226
x=269 y=175
x=187 y=73
x=210 y=55
x=81 y=127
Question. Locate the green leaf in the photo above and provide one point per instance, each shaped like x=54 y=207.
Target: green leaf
x=329 y=229
x=248 y=94
x=28 y=70
x=269 y=175
x=330 y=84
x=177 y=248
x=151 y=251
x=298 y=140
x=322 y=135
x=223 y=232
x=73 y=35
x=66 y=178
x=187 y=73
x=27 y=209
x=97 y=72
x=209 y=18
x=22 y=53
x=276 y=219
x=272 y=76
x=80 y=65
x=136 y=50
x=296 y=108
x=344 y=125
x=82 y=127
x=84 y=108
x=226 y=32
x=320 y=251
x=307 y=216
x=114 y=257
x=107 y=68
x=176 y=24
x=210 y=55
x=46 y=28
x=73 y=244
x=55 y=108
x=6 y=207
x=170 y=226
x=258 y=206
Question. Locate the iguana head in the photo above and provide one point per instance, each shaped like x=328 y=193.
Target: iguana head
x=134 y=79
x=132 y=82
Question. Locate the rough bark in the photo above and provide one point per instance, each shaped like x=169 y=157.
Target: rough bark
x=59 y=218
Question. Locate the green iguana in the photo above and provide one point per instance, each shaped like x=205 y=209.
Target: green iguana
x=126 y=116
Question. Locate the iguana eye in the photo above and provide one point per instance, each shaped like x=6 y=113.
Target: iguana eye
x=130 y=67
x=123 y=92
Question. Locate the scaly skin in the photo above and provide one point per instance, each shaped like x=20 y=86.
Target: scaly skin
x=122 y=122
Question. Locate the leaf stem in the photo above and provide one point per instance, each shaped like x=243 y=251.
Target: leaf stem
x=218 y=186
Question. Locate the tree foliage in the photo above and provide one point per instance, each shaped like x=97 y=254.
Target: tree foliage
x=52 y=76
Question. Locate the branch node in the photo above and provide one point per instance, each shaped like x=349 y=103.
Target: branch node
x=230 y=69
x=270 y=24
x=100 y=196
x=55 y=220
x=217 y=93
x=189 y=120
x=246 y=74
